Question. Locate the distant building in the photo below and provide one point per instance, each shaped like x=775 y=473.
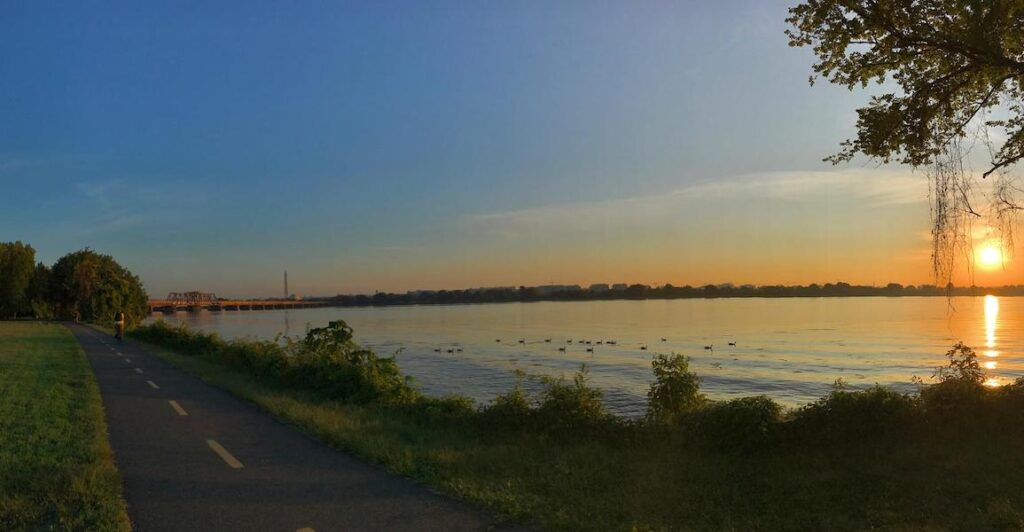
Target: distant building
x=620 y=287
x=489 y=289
x=549 y=289
x=599 y=287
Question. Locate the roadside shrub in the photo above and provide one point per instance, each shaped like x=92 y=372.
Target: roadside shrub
x=962 y=366
x=743 y=423
x=675 y=390
x=430 y=410
x=1009 y=404
x=570 y=408
x=326 y=362
x=845 y=415
x=959 y=393
x=510 y=410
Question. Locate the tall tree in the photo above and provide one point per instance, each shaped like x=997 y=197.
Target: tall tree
x=38 y=292
x=94 y=287
x=957 y=64
x=17 y=265
x=952 y=59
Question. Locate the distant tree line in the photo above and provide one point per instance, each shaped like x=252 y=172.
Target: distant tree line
x=83 y=285
x=668 y=291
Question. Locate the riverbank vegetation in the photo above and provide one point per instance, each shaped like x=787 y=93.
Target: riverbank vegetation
x=83 y=285
x=604 y=292
x=56 y=471
x=946 y=457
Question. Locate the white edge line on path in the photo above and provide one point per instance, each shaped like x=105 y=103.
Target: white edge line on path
x=177 y=408
x=224 y=454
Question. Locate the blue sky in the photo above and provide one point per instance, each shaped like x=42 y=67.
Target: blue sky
x=401 y=145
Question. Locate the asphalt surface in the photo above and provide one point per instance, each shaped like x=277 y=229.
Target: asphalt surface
x=193 y=457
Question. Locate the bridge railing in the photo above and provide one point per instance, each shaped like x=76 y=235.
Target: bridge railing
x=192 y=298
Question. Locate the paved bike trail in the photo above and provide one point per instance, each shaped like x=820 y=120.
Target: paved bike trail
x=193 y=457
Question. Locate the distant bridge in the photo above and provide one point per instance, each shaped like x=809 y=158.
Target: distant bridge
x=196 y=301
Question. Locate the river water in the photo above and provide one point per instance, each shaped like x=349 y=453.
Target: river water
x=789 y=349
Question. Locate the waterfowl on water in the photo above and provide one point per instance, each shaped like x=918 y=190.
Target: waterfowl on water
x=522 y=341
x=643 y=348
x=590 y=349
x=451 y=350
x=732 y=343
x=437 y=350
x=710 y=347
x=664 y=339
x=547 y=340
x=562 y=349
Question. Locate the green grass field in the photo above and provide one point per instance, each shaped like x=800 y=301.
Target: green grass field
x=932 y=479
x=56 y=471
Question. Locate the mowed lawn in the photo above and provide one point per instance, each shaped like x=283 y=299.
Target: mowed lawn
x=56 y=471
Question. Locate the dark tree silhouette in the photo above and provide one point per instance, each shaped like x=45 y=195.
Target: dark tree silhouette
x=952 y=60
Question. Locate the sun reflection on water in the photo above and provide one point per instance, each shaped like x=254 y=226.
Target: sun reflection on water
x=991 y=320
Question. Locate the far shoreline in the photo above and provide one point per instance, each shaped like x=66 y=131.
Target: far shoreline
x=326 y=303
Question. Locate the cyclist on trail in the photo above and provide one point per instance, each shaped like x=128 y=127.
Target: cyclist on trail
x=119 y=319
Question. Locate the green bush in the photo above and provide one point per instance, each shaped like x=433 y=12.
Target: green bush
x=510 y=410
x=1009 y=404
x=675 y=391
x=845 y=415
x=743 y=423
x=327 y=362
x=570 y=408
x=960 y=392
x=450 y=408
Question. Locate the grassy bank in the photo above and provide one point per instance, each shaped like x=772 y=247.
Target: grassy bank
x=945 y=459
x=56 y=471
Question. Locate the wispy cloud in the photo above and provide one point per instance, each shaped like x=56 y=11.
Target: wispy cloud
x=118 y=204
x=11 y=164
x=864 y=188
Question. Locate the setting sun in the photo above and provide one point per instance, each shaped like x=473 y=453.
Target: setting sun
x=990 y=256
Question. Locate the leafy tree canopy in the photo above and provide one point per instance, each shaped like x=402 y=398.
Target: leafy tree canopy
x=94 y=287
x=17 y=266
x=952 y=60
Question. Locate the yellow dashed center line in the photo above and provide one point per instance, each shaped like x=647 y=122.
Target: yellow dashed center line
x=152 y=385
x=224 y=454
